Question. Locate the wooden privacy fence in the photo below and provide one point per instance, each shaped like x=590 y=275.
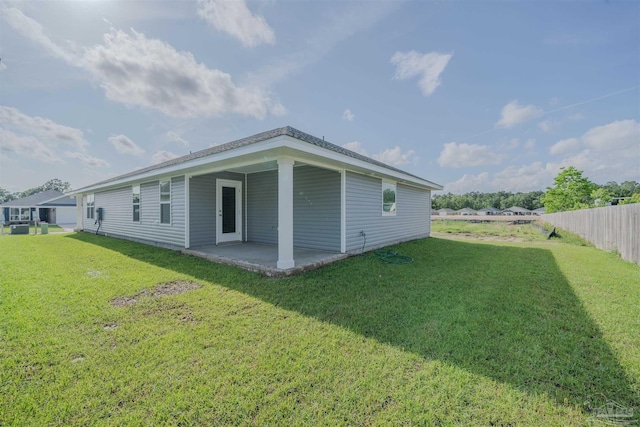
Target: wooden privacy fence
x=610 y=228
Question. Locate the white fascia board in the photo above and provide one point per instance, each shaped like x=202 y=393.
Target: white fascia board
x=191 y=166
x=360 y=164
x=213 y=163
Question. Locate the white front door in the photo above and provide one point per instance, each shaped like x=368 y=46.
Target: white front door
x=228 y=210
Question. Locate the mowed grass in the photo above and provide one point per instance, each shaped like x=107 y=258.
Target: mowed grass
x=470 y=333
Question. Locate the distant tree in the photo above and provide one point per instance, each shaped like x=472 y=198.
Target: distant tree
x=629 y=188
x=570 y=191
x=626 y=189
x=52 y=184
x=635 y=198
x=6 y=196
x=601 y=197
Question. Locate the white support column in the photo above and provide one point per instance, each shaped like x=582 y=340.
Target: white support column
x=285 y=213
x=79 y=212
x=187 y=212
x=343 y=211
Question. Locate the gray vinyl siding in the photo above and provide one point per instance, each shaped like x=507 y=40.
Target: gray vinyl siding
x=364 y=212
x=118 y=214
x=316 y=208
x=202 y=207
x=262 y=207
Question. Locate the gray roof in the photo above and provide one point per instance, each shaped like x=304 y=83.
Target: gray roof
x=263 y=136
x=59 y=201
x=517 y=209
x=34 y=199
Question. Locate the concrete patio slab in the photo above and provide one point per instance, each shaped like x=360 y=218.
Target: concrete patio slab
x=263 y=258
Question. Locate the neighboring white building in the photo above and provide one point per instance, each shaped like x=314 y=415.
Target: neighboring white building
x=446 y=211
x=465 y=212
x=517 y=210
x=49 y=206
x=488 y=211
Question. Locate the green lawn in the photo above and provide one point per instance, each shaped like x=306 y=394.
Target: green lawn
x=470 y=333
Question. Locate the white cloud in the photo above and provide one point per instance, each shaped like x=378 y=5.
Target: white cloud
x=396 y=157
x=456 y=155
x=124 y=145
x=162 y=156
x=536 y=176
x=609 y=153
x=548 y=126
x=87 y=160
x=530 y=144
x=619 y=135
x=138 y=71
x=427 y=66
x=554 y=101
x=344 y=20
x=564 y=146
x=235 y=19
x=356 y=146
x=27 y=146
x=470 y=183
x=348 y=115
x=532 y=177
x=41 y=128
x=176 y=137
x=40 y=138
x=511 y=145
x=514 y=113
x=32 y=30
x=391 y=156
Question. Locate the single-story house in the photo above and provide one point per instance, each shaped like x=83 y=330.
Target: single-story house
x=488 y=211
x=539 y=211
x=281 y=187
x=465 y=211
x=516 y=210
x=446 y=211
x=50 y=206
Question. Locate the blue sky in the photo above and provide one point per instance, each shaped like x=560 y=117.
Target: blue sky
x=474 y=95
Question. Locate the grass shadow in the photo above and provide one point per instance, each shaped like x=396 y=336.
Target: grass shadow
x=504 y=312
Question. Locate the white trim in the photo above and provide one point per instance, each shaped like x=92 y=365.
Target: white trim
x=79 y=209
x=395 y=191
x=246 y=213
x=187 y=212
x=279 y=145
x=285 y=213
x=160 y=202
x=237 y=235
x=139 y=202
x=343 y=211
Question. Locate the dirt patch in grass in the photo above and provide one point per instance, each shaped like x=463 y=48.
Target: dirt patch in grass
x=162 y=289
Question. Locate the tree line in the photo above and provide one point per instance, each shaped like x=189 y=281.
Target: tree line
x=570 y=191
x=52 y=184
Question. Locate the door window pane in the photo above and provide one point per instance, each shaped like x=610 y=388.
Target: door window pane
x=228 y=210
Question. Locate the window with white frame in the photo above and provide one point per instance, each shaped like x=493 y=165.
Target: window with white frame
x=165 y=202
x=91 y=206
x=19 y=214
x=136 y=203
x=388 y=198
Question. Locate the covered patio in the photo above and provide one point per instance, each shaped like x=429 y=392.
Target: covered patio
x=263 y=258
